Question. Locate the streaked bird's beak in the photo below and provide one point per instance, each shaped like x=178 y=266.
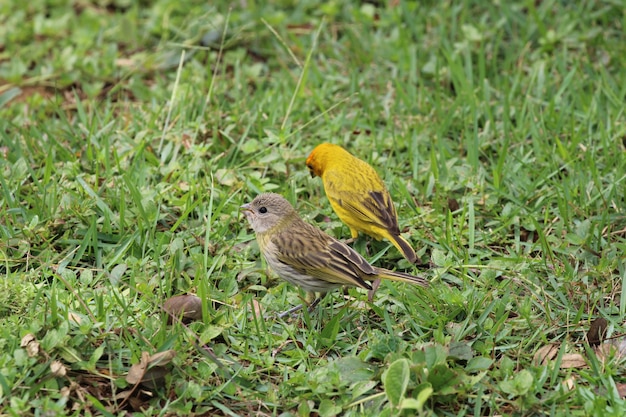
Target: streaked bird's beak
x=246 y=209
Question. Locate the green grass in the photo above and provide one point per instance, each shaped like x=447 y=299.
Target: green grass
x=131 y=132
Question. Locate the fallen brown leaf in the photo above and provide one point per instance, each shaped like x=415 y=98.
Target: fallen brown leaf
x=188 y=306
x=597 y=331
x=138 y=370
x=150 y=368
x=123 y=395
x=30 y=343
x=569 y=383
x=545 y=354
x=612 y=348
x=161 y=358
x=620 y=345
x=75 y=318
x=58 y=369
x=154 y=377
x=548 y=353
x=256 y=307
x=573 y=360
x=27 y=339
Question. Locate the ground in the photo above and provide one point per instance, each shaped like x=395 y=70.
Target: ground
x=132 y=131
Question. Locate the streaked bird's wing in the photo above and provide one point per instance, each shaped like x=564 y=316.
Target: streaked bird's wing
x=312 y=252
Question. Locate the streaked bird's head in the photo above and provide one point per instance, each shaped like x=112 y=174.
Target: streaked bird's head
x=267 y=211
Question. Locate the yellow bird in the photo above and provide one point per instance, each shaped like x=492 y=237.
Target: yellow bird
x=304 y=255
x=358 y=195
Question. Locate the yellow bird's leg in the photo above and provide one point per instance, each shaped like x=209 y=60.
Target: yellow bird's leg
x=354 y=235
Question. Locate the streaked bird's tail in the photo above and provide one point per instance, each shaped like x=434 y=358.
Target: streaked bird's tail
x=401 y=276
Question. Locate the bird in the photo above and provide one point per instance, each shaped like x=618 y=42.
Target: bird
x=305 y=256
x=357 y=195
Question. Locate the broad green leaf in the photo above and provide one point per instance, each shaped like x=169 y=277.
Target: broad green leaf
x=461 y=350
x=443 y=379
x=351 y=369
x=519 y=385
x=479 y=363
x=396 y=380
x=417 y=403
x=211 y=333
x=328 y=408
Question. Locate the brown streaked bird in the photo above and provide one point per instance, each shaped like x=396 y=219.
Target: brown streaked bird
x=358 y=195
x=305 y=256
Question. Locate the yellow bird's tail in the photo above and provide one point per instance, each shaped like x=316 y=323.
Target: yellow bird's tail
x=404 y=247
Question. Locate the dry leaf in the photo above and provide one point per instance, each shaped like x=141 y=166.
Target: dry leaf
x=545 y=354
x=227 y=177
x=123 y=395
x=58 y=369
x=150 y=370
x=613 y=348
x=27 y=339
x=573 y=360
x=161 y=358
x=138 y=370
x=31 y=344
x=258 y=310
x=569 y=383
x=603 y=352
x=153 y=378
x=597 y=331
x=125 y=63
x=608 y=350
x=188 y=306
x=620 y=345
x=621 y=389
x=139 y=403
x=75 y=318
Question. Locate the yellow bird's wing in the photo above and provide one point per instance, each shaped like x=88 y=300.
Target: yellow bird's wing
x=367 y=203
x=375 y=208
x=312 y=252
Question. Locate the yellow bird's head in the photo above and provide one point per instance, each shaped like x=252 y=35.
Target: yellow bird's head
x=321 y=156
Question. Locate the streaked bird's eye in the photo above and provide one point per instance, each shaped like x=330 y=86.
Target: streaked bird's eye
x=262 y=210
